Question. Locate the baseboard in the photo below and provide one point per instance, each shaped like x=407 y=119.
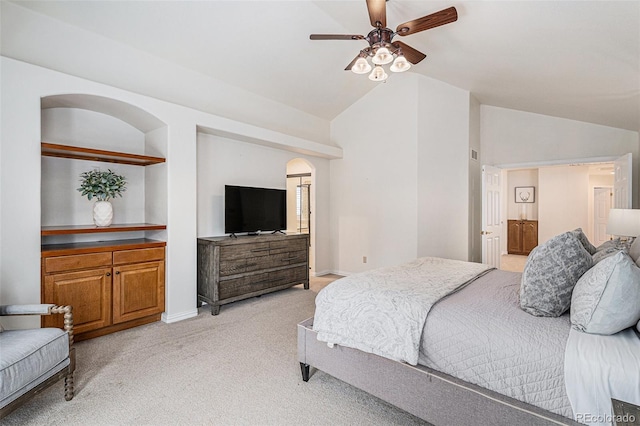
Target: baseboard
x=178 y=317
x=331 y=272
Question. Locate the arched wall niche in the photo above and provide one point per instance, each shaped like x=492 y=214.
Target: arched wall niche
x=131 y=114
x=99 y=122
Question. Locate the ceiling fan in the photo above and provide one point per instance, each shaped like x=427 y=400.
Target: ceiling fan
x=382 y=49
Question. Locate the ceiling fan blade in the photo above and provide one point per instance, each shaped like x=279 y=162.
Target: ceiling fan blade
x=443 y=17
x=351 y=63
x=414 y=56
x=336 y=37
x=377 y=12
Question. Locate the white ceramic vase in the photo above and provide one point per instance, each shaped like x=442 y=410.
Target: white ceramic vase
x=102 y=213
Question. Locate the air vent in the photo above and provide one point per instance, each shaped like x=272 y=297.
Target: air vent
x=474 y=154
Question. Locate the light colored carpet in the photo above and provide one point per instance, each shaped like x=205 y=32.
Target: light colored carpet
x=237 y=368
x=513 y=262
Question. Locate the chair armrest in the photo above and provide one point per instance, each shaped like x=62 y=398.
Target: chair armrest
x=39 y=309
x=42 y=309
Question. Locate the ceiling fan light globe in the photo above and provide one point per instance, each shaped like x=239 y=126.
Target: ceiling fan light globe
x=378 y=74
x=400 y=64
x=382 y=56
x=361 y=66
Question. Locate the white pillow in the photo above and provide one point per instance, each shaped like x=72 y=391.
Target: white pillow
x=606 y=299
x=634 y=250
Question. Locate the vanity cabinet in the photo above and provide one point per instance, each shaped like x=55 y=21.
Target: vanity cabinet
x=231 y=269
x=522 y=236
x=111 y=285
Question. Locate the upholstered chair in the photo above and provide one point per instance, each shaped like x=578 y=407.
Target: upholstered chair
x=33 y=359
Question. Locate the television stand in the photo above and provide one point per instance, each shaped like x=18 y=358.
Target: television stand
x=279 y=232
x=232 y=269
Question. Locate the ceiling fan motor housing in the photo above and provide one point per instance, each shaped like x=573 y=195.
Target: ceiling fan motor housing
x=380 y=37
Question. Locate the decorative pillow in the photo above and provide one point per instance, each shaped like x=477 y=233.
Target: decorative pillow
x=551 y=272
x=615 y=243
x=603 y=254
x=584 y=240
x=634 y=250
x=606 y=299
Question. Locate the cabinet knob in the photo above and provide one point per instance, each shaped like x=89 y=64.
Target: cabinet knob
x=108 y=274
x=117 y=272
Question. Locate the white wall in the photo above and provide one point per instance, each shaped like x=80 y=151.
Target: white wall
x=517 y=178
x=443 y=170
x=512 y=137
x=38 y=39
x=402 y=188
x=475 y=183
x=563 y=200
x=374 y=186
x=23 y=86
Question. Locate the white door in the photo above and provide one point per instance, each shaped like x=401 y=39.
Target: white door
x=601 y=207
x=622 y=188
x=491 y=215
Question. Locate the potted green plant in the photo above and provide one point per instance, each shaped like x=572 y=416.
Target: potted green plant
x=102 y=186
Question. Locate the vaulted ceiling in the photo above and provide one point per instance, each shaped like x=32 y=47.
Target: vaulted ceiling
x=570 y=59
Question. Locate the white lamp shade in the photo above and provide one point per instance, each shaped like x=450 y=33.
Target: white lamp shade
x=378 y=74
x=361 y=66
x=400 y=64
x=624 y=222
x=382 y=56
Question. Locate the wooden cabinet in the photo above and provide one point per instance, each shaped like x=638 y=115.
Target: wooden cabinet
x=231 y=269
x=111 y=285
x=522 y=236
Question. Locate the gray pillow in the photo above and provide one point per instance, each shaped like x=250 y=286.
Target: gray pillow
x=551 y=272
x=603 y=254
x=584 y=240
x=606 y=298
x=616 y=243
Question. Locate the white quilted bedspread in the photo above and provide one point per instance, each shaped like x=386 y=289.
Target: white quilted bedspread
x=383 y=311
x=480 y=335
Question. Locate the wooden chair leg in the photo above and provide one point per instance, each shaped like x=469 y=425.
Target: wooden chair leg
x=68 y=387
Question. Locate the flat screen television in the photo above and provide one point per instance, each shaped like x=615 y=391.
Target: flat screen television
x=248 y=209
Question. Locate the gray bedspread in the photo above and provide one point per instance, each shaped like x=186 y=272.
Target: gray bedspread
x=480 y=335
x=383 y=311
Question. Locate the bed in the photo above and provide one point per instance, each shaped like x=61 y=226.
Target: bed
x=480 y=359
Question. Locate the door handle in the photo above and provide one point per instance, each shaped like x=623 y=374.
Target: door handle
x=485 y=232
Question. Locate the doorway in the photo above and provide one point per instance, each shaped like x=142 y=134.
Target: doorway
x=301 y=202
x=602 y=202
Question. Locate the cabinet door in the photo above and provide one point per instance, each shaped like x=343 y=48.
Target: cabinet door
x=529 y=236
x=514 y=237
x=88 y=293
x=138 y=291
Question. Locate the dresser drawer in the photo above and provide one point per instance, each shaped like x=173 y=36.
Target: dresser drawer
x=75 y=262
x=139 y=255
x=277 y=247
x=243 y=285
x=297 y=274
x=243 y=251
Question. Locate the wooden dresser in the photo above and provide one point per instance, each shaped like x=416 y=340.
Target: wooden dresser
x=112 y=285
x=522 y=236
x=231 y=269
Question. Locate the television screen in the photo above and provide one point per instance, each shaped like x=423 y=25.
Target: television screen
x=249 y=209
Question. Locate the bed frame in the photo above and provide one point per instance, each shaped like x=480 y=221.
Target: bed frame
x=436 y=397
